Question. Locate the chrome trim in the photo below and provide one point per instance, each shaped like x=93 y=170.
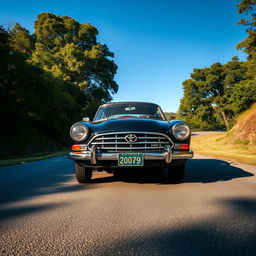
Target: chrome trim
x=86 y=156
x=134 y=143
x=93 y=155
x=86 y=119
x=168 y=154
x=126 y=148
x=130 y=138
x=84 y=136
x=179 y=123
x=125 y=132
x=122 y=138
x=182 y=155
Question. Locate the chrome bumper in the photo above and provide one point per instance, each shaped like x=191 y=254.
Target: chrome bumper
x=167 y=156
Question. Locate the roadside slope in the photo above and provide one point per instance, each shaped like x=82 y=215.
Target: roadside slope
x=238 y=144
x=218 y=145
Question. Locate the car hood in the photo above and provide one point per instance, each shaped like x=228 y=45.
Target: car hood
x=130 y=124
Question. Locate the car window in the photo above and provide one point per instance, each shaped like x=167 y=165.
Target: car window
x=129 y=110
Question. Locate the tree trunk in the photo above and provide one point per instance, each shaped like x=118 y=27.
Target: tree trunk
x=225 y=119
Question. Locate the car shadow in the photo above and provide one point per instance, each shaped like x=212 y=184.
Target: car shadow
x=56 y=175
x=197 y=170
x=212 y=170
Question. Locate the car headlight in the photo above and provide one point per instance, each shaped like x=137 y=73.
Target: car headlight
x=79 y=132
x=181 y=131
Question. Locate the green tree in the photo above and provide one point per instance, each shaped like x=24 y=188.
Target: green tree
x=70 y=51
x=37 y=108
x=248 y=45
x=195 y=106
x=211 y=95
x=21 y=40
x=216 y=95
x=49 y=80
x=244 y=94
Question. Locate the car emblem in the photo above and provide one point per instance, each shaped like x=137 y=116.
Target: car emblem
x=130 y=138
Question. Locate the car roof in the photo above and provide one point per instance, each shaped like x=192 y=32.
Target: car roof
x=128 y=102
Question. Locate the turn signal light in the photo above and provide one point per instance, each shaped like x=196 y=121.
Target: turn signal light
x=76 y=147
x=184 y=147
x=79 y=147
x=181 y=147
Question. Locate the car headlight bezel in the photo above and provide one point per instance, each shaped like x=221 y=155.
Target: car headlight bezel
x=181 y=131
x=79 y=132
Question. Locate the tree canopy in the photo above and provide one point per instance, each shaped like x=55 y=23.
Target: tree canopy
x=215 y=95
x=248 y=45
x=70 y=51
x=49 y=80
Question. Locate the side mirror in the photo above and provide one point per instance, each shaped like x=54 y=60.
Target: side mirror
x=86 y=119
x=172 y=118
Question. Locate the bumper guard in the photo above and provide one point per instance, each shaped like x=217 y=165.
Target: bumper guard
x=93 y=156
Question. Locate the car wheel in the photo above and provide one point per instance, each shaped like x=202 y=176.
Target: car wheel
x=83 y=174
x=176 y=174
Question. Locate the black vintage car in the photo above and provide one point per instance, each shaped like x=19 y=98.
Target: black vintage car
x=130 y=135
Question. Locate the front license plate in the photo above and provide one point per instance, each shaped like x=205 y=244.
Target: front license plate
x=130 y=159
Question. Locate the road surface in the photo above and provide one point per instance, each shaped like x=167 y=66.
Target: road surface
x=44 y=211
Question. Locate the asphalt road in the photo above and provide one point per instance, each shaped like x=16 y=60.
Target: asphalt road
x=44 y=211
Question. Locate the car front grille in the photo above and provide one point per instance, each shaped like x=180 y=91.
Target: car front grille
x=116 y=142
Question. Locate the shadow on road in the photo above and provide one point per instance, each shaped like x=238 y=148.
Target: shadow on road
x=53 y=176
x=13 y=212
x=212 y=170
x=19 y=182
x=227 y=234
x=197 y=170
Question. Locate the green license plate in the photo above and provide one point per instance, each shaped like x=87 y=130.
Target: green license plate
x=130 y=159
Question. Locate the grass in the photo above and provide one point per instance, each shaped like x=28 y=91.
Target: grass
x=244 y=142
x=220 y=145
x=34 y=157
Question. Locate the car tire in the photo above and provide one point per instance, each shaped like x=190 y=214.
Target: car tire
x=83 y=174
x=176 y=174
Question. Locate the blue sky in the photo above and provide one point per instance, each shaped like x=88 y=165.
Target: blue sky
x=156 y=43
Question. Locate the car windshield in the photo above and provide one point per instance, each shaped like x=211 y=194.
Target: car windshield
x=136 y=110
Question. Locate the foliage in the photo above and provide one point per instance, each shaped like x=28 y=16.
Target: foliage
x=70 y=51
x=248 y=45
x=49 y=80
x=37 y=108
x=170 y=115
x=21 y=41
x=215 y=95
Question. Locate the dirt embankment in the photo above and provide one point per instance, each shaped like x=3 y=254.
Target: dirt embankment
x=245 y=128
x=238 y=144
